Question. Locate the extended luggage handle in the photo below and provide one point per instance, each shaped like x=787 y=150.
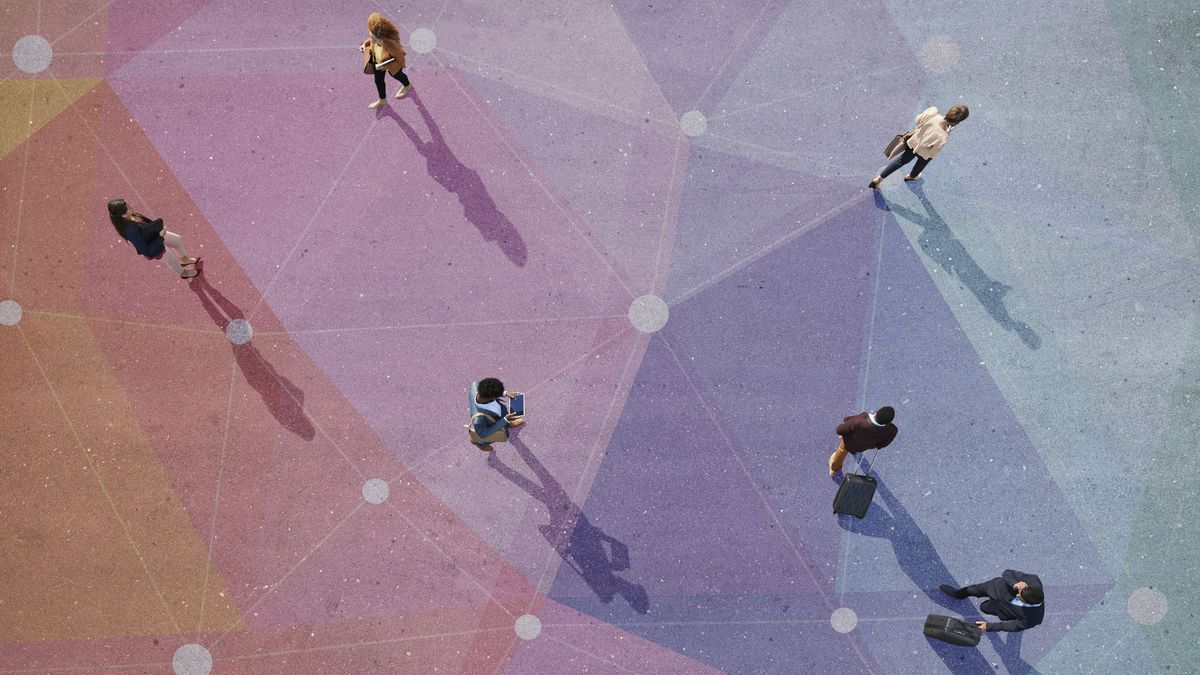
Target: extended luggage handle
x=872 y=464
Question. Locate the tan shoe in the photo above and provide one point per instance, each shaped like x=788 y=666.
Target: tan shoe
x=185 y=261
x=400 y=93
x=188 y=274
x=378 y=103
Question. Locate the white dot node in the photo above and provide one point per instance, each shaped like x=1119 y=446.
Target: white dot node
x=422 y=40
x=693 y=123
x=648 y=313
x=192 y=659
x=10 y=312
x=239 y=331
x=32 y=53
x=940 y=54
x=376 y=491
x=844 y=620
x=1147 y=606
x=528 y=626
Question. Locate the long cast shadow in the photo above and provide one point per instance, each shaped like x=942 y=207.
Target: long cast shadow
x=919 y=559
x=581 y=544
x=283 y=398
x=939 y=243
x=463 y=182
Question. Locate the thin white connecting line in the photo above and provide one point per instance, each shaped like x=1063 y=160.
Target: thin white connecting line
x=272 y=587
x=576 y=495
x=803 y=229
x=433 y=26
x=765 y=501
x=123 y=322
x=363 y=643
x=807 y=92
x=91 y=464
x=450 y=559
x=411 y=467
x=669 y=198
x=807 y=159
x=76 y=27
x=732 y=52
x=864 y=378
x=581 y=650
x=212 y=524
x=207 y=50
x=521 y=160
x=12 y=279
x=637 y=120
x=452 y=324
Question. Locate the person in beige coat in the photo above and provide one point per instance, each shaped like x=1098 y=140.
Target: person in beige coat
x=383 y=55
x=924 y=142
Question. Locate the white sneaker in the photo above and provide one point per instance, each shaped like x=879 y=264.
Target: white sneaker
x=402 y=91
x=378 y=103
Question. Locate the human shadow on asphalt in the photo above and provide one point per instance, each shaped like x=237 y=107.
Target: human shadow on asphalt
x=283 y=399
x=593 y=555
x=939 y=243
x=463 y=182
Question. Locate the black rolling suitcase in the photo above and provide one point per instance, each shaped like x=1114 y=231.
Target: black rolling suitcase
x=952 y=630
x=854 y=495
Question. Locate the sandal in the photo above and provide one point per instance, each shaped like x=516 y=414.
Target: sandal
x=185 y=261
x=188 y=274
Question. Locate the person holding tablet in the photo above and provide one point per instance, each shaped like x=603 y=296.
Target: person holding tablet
x=382 y=55
x=490 y=417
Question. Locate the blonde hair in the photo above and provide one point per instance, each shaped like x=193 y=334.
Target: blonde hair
x=380 y=27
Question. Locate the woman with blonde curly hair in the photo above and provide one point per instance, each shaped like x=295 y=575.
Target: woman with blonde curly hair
x=382 y=54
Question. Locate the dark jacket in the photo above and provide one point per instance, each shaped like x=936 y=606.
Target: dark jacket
x=999 y=603
x=145 y=237
x=859 y=433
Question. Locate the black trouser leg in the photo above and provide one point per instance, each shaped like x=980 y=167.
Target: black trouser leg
x=976 y=591
x=402 y=77
x=379 y=83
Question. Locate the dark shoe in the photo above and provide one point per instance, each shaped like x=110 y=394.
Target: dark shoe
x=874 y=184
x=952 y=591
x=486 y=448
x=911 y=178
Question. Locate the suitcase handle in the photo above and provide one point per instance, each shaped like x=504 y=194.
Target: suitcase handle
x=872 y=464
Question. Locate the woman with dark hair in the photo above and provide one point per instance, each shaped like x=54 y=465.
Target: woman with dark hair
x=382 y=54
x=924 y=142
x=150 y=238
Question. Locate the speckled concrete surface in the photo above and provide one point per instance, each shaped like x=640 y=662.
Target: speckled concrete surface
x=175 y=498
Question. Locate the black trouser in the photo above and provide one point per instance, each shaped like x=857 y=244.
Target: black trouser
x=379 y=81
x=899 y=160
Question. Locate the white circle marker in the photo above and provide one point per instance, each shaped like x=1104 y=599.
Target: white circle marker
x=191 y=659
x=648 y=313
x=376 y=491
x=528 y=626
x=239 y=331
x=843 y=620
x=422 y=40
x=693 y=123
x=32 y=53
x=940 y=54
x=10 y=313
x=1147 y=605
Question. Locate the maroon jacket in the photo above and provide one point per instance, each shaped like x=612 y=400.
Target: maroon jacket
x=860 y=433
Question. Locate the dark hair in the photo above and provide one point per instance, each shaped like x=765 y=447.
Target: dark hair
x=957 y=113
x=1033 y=595
x=885 y=415
x=490 y=387
x=116 y=213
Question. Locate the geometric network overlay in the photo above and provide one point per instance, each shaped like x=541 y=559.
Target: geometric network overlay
x=653 y=219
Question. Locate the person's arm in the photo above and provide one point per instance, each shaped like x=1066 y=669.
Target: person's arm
x=1011 y=577
x=926 y=114
x=485 y=428
x=1012 y=625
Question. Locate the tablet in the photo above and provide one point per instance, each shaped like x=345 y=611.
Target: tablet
x=517 y=405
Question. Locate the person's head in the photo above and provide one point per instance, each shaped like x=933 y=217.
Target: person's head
x=382 y=29
x=1032 y=595
x=117 y=208
x=490 y=389
x=956 y=114
x=885 y=415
